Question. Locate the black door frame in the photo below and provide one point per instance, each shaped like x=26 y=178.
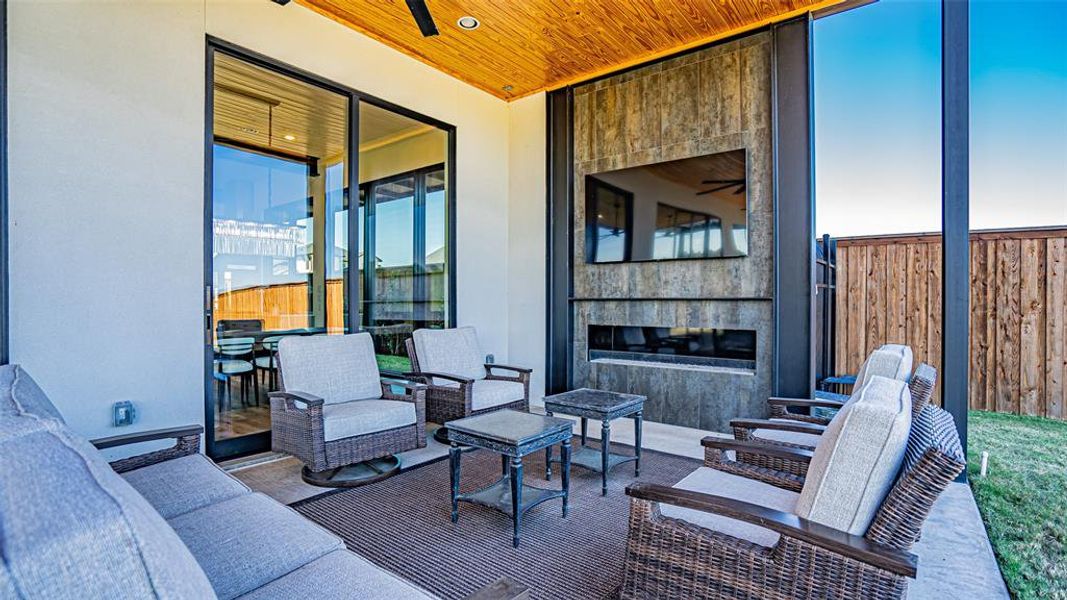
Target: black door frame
x=261 y=441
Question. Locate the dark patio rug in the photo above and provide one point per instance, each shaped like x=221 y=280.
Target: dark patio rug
x=402 y=524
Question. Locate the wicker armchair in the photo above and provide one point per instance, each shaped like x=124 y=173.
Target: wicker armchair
x=734 y=545
x=460 y=383
x=335 y=410
x=805 y=435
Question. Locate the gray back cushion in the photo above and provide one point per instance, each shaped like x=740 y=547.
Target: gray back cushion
x=891 y=360
x=858 y=457
x=336 y=368
x=453 y=351
x=20 y=395
x=70 y=527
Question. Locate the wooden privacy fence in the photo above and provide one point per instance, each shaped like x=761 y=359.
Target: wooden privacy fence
x=889 y=291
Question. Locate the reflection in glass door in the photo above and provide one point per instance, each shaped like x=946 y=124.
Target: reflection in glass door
x=279 y=236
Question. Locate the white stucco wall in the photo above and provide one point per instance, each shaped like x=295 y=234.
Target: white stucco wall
x=107 y=178
x=526 y=237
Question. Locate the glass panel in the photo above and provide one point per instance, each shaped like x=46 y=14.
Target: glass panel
x=279 y=224
x=404 y=211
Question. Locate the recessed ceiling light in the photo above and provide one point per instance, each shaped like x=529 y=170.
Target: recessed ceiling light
x=468 y=22
x=508 y=87
x=290 y=137
x=249 y=130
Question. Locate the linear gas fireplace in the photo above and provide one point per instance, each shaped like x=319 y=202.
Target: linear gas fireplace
x=729 y=348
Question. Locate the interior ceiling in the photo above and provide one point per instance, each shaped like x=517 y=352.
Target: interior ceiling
x=259 y=108
x=535 y=45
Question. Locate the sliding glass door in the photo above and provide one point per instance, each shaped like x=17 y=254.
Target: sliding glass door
x=285 y=255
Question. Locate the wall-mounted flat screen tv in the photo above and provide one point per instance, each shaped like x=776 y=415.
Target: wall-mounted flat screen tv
x=681 y=209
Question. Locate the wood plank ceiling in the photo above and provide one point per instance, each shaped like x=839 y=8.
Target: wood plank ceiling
x=526 y=46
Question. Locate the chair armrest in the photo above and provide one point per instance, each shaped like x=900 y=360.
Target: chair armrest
x=409 y=386
x=850 y=546
x=147 y=436
x=795 y=426
x=804 y=402
x=431 y=375
x=782 y=452
x=186 y=442
x=490 y=366
x=292 y=397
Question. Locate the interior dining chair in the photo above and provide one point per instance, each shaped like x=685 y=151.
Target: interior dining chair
x=269 y=363
x=233 y=358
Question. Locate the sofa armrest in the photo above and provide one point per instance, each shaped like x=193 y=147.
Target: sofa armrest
x=794 y=426
x=429 y=376
x=290 y=398
x=504 y=588
x=409 y=386
x=186 y=442
x=788 y=525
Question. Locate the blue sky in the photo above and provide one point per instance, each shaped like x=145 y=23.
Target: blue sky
x=878 y=116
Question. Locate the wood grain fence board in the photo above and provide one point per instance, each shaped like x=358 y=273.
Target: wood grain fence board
x=992 y=318
x=857 y=306
x=1018 y=317
x=896 y=294
x=976 y=344
x=918 y=319
x=841 y=304
x=1008 y=326
x=1032 y=321
x=876 y=298
x=1056 y=328
x=933 y=307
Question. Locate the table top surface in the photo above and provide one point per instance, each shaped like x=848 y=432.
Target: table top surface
x=510 y=426
x=599 y=400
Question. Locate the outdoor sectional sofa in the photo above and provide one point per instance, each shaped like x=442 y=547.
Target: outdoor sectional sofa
x=166 y=524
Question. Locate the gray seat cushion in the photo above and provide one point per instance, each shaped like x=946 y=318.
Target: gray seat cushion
x=453 y=351
x=893 y=361
x=175 y=487
x=488 y=393
x=336 y=368
x=718 y=483
x=340 y=575
x=360 y=417
x=70 y=527
x=20 y=395
x=246 y=542
x=858 y=457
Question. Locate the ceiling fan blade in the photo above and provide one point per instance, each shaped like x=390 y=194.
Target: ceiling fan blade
x=423 y=18
x=721 y=181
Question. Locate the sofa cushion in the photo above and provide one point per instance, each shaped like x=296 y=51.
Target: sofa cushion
x=453 y=351
x=340 y=575
x=893 y=361
x=175 y=487
x=336 y=368
x=719 y=483
x=360 y=417
x=20 y=395
x=246 y=542
x=858 y=457
x=809 y=440
x=70 y=527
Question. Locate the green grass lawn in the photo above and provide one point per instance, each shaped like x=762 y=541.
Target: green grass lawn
x=399 y=364
x=1023 y=499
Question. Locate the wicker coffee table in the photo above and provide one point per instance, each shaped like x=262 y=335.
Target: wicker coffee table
x=605 y=406
x=511 y=434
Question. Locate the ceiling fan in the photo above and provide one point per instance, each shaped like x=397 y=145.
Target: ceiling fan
x=423 y=18
x=723 y=184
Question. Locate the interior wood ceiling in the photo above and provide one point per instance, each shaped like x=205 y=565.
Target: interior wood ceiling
x=259 y=107
x=535 y=45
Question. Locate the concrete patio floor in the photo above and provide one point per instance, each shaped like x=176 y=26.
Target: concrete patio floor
x=955 y=558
